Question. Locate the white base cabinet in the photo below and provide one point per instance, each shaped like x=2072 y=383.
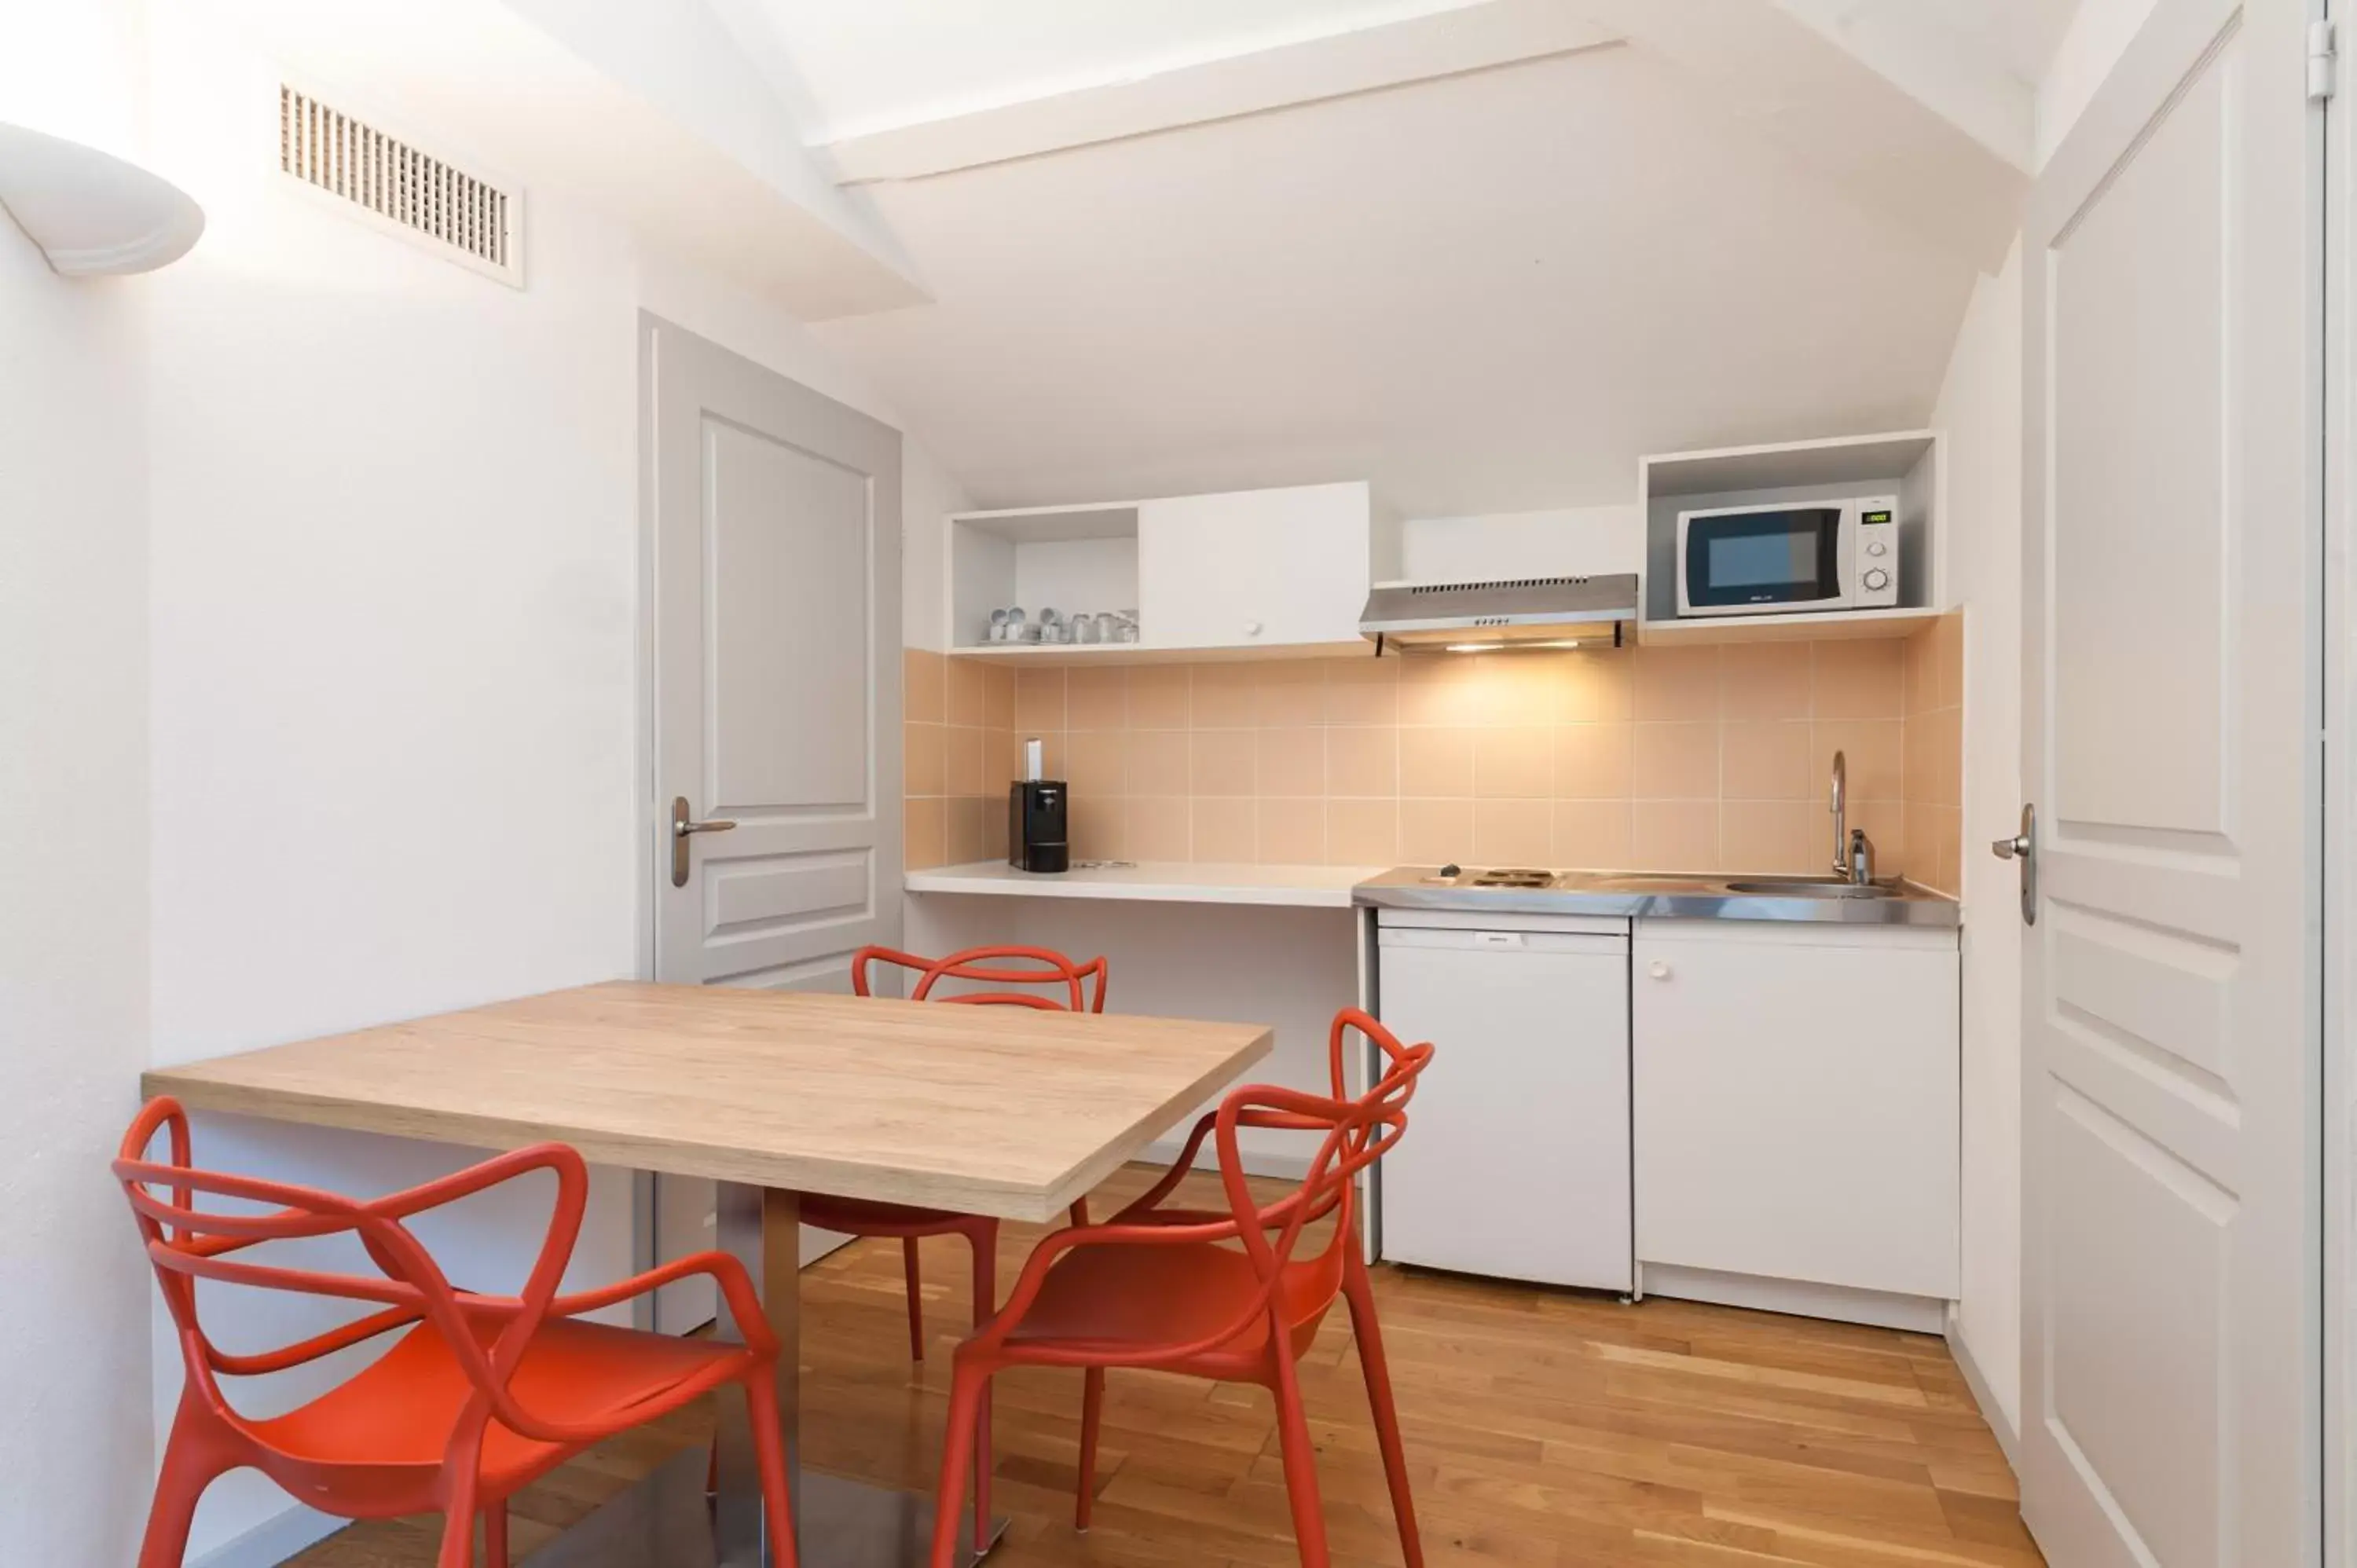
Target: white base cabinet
x=1796 y=1102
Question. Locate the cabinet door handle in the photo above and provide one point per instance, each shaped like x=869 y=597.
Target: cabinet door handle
x=1658 y=970
x=1251 y=628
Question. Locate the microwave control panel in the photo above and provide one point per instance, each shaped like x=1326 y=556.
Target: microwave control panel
x=1876 y=562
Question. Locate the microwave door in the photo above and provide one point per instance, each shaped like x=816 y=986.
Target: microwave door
x=1763 y=561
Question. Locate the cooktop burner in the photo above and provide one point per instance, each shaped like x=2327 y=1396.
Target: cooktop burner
x=1512 y=877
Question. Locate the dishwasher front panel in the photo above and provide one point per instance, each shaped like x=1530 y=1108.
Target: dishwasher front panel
x=1515 y=1163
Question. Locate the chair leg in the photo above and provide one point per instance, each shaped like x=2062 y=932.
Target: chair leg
x=190 y=1467
x=916 y=1297
x=1360 y=1293
x=984 y=1238
x=495 y=1535
x=1300 y=1457
x=966 y=1391
x=1091 y=1413
x=769 y=1453
x=459 y=1530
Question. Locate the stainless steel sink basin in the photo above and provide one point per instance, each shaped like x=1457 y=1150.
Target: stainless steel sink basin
x=1807 y=888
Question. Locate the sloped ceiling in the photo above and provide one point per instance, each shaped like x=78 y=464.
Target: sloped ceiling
x=1488 y=292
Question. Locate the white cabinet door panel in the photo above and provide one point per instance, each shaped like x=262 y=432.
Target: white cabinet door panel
x=1796 y=1105
x=1515 y=1161
x=1254 y=568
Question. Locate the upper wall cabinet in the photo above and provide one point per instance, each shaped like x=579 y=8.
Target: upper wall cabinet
x=1254 y=568
x=1273 y=572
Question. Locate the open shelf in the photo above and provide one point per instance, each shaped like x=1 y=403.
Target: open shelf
x=1819 y=626
x=1051 y=655
x=1065 y=558
x=1907 y=463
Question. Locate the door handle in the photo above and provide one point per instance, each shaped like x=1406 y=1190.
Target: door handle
x=2023 y=847
x=683 y=827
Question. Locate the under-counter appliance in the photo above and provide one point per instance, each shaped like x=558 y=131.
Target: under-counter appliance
x=1517 y=1161
x=1788 y=557
x=1038 y=818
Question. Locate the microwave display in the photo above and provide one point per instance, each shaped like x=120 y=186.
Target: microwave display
x=1765 y=558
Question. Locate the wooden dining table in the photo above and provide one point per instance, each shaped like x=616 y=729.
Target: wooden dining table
x=1005 y=1112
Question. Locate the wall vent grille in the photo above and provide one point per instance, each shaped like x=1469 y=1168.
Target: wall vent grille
x=460 y=216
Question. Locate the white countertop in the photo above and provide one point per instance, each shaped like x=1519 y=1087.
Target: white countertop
x=1165 y=882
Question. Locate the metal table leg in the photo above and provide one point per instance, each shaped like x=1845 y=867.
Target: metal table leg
x=664 y=1522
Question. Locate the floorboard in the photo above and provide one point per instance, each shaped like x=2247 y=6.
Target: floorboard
x=1544 y=1429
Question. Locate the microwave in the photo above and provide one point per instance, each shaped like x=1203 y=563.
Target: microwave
x=1787 y=557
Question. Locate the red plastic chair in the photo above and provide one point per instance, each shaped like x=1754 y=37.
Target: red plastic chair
x=1164 y=1288
x=1081 y=988
x=481 y=1396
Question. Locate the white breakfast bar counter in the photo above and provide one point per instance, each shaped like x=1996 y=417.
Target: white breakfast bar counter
x=1290 y=886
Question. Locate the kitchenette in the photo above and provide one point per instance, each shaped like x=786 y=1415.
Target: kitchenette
x=1658 y=839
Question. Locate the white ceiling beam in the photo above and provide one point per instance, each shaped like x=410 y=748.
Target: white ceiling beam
x=1768 y=73
x=1449 y=43
x=1956 y=75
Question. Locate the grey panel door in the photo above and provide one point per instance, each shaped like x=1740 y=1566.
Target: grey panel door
x=2172 y=661
x=776 y=693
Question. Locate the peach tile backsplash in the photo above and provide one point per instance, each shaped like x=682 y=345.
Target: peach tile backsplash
x=1671 y=759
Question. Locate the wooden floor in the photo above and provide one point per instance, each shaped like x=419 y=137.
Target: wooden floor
x=1544 y=1429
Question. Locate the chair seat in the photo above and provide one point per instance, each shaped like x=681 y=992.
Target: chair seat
x=1105 y=1297
x=399 y=1410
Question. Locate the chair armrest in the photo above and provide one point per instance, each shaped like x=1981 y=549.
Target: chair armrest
x=736 y=1288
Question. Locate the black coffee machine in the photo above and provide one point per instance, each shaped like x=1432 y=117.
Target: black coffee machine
x=1039 y=811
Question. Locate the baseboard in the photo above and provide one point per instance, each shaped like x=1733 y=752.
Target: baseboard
x=1992 y=1412
x=273 y=1540
x=1795 y=1298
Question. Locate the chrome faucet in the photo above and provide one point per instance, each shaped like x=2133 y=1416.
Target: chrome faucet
x=1853 y=851
x=1841 y=814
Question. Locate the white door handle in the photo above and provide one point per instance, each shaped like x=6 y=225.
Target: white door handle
x=1251 y=628
x=1658 y=970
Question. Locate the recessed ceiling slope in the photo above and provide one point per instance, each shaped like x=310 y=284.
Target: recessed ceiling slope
x=1488 y=293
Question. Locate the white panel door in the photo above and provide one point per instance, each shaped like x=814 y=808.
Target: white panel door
x=1253 y=569
x=776 y=693
x=2171 y=993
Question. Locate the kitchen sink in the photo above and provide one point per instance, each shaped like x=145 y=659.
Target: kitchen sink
x=1808 y=887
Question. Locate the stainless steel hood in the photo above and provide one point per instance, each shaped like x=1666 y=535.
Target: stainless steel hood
x=1521 y=612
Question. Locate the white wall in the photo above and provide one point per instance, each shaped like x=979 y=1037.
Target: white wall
x=1980 y=408
x=394 y=619
x=1566 y=541
x=73 y=836
x=1290 y=969
x=73 y=959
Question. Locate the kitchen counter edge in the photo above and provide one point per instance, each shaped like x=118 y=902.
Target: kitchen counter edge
x=1346 y=886
x=1149 y=882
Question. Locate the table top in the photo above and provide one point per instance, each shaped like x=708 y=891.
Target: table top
x=1007 y=1112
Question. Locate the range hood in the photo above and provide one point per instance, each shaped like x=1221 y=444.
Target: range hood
x=1520 y=612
